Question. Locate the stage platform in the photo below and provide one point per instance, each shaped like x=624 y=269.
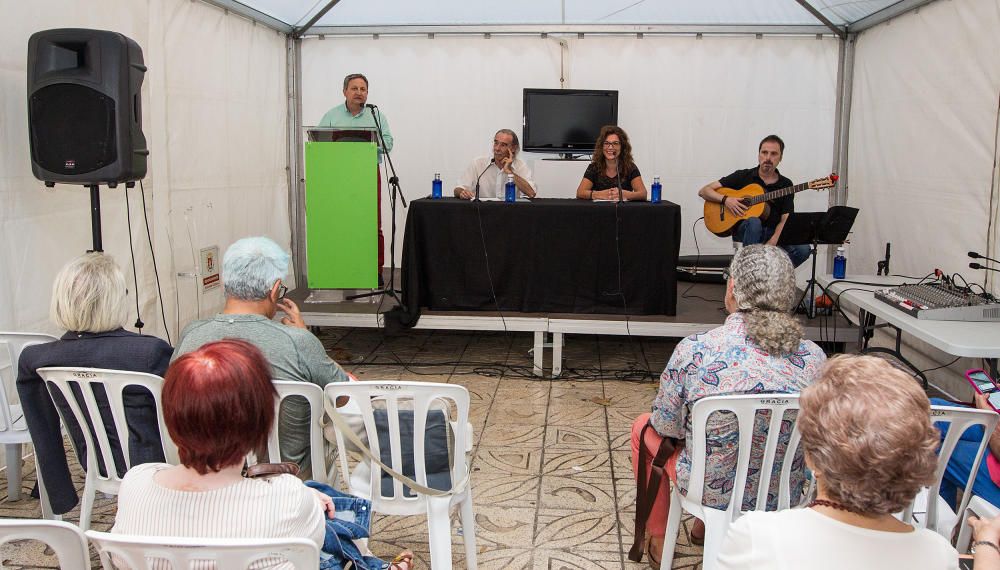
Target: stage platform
x=699 y=308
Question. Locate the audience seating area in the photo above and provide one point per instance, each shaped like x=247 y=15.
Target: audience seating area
x=550 y=478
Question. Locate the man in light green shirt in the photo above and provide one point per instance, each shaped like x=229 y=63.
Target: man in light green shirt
x=353 y=113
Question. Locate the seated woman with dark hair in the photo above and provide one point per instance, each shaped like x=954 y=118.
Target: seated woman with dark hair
x=218 y=405
x=612 y=174
x=868 y=439
x=89 y=301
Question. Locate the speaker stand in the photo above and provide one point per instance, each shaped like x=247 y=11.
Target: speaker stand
x=95 y=217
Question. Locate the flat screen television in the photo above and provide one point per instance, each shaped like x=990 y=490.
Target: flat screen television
x=566 y=121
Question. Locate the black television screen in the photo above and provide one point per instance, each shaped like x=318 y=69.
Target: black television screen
x=566 y=120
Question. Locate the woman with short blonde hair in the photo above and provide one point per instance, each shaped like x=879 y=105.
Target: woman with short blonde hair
x=89 y=295
x=89 y=301
x=868 y=439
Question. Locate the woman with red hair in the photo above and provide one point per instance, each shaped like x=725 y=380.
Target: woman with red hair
x=218 y=405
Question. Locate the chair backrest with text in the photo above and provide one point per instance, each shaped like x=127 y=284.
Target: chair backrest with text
x=149 y=552
x=399 y=417
x=76 y=386
x=313 y=395
x=929 y=509
x=746 y=407
x=749 y=411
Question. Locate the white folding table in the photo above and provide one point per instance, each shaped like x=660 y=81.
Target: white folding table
x=957 y=338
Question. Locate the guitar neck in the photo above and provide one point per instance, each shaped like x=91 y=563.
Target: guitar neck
x=778 y=193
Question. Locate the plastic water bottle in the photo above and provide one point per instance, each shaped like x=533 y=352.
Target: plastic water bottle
x=436 y=186
x=657 y=190
x=510 y=190
x=839 y=264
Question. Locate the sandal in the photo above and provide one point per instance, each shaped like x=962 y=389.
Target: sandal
x=403 y=561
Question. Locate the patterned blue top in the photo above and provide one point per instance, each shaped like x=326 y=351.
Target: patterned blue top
x=720 y=362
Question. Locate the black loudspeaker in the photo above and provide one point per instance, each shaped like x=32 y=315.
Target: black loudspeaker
x=84 y=112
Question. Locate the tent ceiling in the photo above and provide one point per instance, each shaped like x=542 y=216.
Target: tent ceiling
x=712 y=14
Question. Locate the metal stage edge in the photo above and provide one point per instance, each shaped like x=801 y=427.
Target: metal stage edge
x=694 y=315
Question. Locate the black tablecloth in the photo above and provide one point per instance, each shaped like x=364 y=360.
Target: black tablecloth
x=544 y=256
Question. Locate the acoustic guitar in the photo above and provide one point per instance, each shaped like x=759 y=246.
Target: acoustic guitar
x=720 y=221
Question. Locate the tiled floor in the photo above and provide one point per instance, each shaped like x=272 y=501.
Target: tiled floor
x=552 y=478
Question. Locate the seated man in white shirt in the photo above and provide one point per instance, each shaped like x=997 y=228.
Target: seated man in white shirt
x=490 y=172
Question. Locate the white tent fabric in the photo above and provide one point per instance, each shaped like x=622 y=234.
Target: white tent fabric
x=464 y=12
x=923 y=138
x=694 y=109
x=923 y=149
x=214 y=118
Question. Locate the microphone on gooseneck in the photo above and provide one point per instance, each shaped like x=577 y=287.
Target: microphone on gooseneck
x=370 y=106
x=492 y=160
x=980 y=266
x=618 y=181
x=977 y=255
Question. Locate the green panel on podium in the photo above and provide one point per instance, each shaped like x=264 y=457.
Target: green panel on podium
x=341 y=211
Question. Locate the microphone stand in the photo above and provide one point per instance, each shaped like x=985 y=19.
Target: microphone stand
x=395 y=191
x=480 y=177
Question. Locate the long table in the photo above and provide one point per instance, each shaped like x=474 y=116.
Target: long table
x=541 y=256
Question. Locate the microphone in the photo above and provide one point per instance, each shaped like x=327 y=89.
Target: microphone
x=492 y=160
x=618 y=181
x=882 y=267
x=977 y=255
x=370 y=106
x=980 y=266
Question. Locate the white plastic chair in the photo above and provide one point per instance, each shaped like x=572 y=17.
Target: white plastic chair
x=716 y=520
x=936 y=514
x=13 y=429
x=65 y=539
x=148 y=552
x=114 y=382
x=366 y=479
x=317 y=445
x=981 y=508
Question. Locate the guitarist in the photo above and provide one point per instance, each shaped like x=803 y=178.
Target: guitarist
x=766 y=229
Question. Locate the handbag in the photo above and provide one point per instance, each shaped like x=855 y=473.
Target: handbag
x=645 y=491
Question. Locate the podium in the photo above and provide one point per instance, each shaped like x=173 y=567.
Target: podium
x=341 y=168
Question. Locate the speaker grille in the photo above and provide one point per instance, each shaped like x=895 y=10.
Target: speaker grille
x=72 y=129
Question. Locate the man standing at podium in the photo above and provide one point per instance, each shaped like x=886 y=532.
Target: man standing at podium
x=353 y=113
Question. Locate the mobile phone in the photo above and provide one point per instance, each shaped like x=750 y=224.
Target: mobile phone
x=985 y=385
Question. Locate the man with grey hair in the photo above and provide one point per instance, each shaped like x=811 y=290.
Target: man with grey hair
x=490 y=172
x=759 y=349
x=252 y=273
x=352 y=114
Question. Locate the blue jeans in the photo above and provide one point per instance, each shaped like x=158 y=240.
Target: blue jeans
x=956 y=474
x=751 y=231
x=351 y=523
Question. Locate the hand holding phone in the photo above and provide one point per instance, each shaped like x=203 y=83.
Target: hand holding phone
x=985 y=386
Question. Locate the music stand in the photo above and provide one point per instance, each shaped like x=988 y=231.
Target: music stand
x=817 y=228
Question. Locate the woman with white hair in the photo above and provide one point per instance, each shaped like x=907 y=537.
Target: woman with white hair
x=868 y=439
x=89 y=301
x=759 y=349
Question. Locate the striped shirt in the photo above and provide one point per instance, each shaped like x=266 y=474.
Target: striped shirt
x=274 y=507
